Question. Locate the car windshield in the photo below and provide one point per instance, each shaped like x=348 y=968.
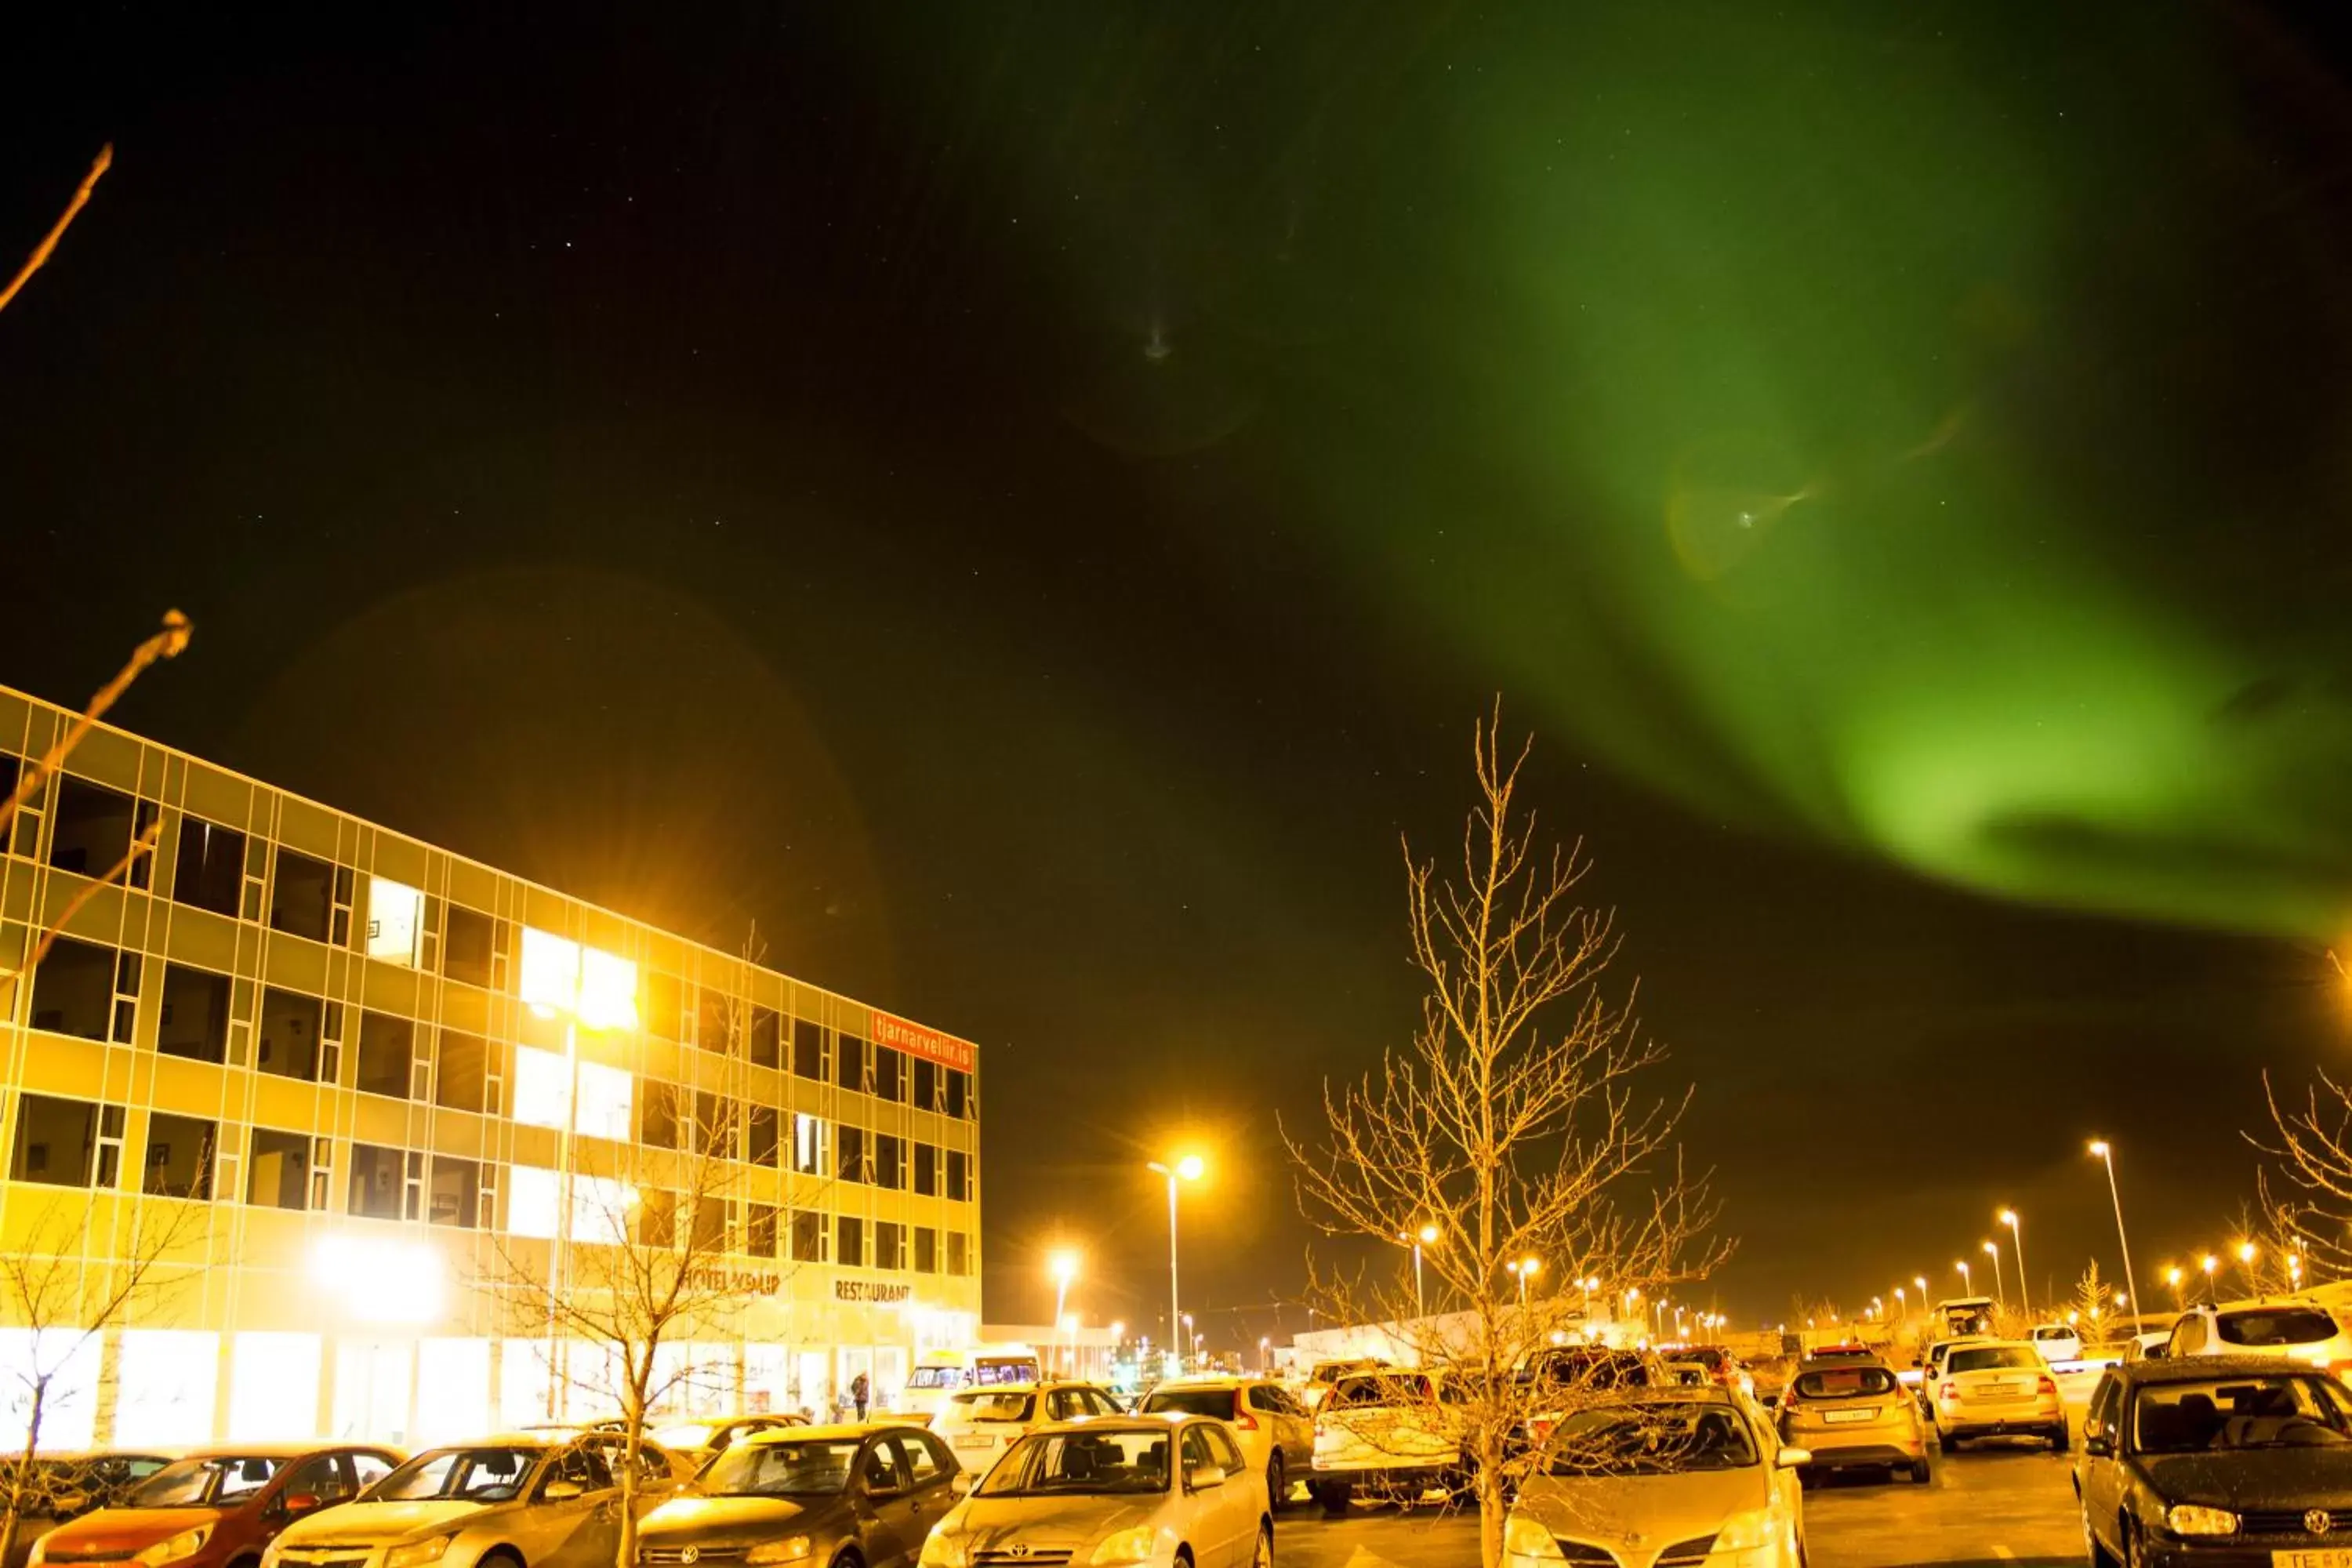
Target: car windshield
x=206 y=1483
x=1406 y=1388
x=937 y=1377
x=1112 y=1459
x=2269 y=1327
x=475 y=1475
x=2291 y=1410
x=1005 y=1406
x=1216 y=1402
x=1651 y=1439
x=1845 y=1382
x=2054 y=1332
x=686 y=1435
x=1992 y=1358
x=808 y=1466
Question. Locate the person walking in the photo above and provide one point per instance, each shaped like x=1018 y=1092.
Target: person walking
x=859 y=1389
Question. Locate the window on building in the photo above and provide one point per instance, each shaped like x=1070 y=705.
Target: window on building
x=665 y=1006
x=759 y=1230
x=395 y=923
x=808 y=1236
x=849 y=1061
x=542 y=1087
x=709 y=1225
x=959 y=1097
x=387 y=1055
x=717 y=1123
x=179 y=1157
x=656 y=1217
x=810 y=1145
x=607 y=1102
x=849 y=1241
x=759 y=1134
x=959 y=1174
x=302 y=896
x=890 y=1161
x=926 y=1085
x=808 y=1049
x=209 y=872
x=466 y=949
x=277 y=1173
x=57 y=1141
x=659 y=1128
x=378 y=1177
x=285 y=1034
x=766 y=1036
x=927 y=1169
x=958 y=1253
x=889 y=1074
x=461 y=1081
x=194 y=1017
x=93 y=827
x=927 y=1250
x=10 y=770
x=73 y=990
x=457 y=1193
x=852 y=1165
x=889 y=1245
x=716 y=1030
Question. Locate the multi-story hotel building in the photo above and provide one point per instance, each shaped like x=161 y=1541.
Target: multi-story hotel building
x=362 y=1073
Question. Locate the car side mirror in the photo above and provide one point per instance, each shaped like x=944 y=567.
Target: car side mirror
x=2098 y=1446
x=303 y=1502
x=961 y=1483
x=564 y=1491
x=1791 y=1458
x=1201 y=1478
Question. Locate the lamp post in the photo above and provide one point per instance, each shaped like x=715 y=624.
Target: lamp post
x=1187 y=1168
x=2246 y=1255
x=1966 y=1282
x=2017 y=1250
x=2172 y=1277
x=1524 y=1268
x=2105 y=1152
x=1424 y=1236
x=1062 y=1264
x=1265 y=1355
x=2210 y=1263
x=1995 y=1251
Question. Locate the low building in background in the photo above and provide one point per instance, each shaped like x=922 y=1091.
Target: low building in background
x=376 y=1069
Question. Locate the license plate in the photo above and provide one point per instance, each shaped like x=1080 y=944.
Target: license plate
x=2324 y=1557
x=1849 y=1414
x=975 y=1441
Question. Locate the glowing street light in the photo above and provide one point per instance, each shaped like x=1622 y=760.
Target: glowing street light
x=1425 y=1237
x=1186 y=1168
x=1062 y=1263
x=1995 y=1253
x=1524 y=1268
x=2104 y=1152
x=1264 y=1354
x=1967 y=1283
x=2017 y=1247
x=2210 y=1263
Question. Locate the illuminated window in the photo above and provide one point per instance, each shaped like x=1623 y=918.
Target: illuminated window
x=273 y=1391
x=542 y=1084
x=371 y=1388
x=601 y=1206
x=605 y=1093
x=532 y=1194
x=69 y=1404
x=165 y=1385
x=560 y=977
x=395 y=923
x=453 y=1390
x=809 y=1146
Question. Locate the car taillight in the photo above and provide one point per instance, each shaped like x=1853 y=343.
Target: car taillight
x=1246 y=1422
x=2047 y=1385
x=1540 y=1427
x=1949 y=1391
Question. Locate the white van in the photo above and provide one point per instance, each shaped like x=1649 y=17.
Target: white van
x=939 y=1373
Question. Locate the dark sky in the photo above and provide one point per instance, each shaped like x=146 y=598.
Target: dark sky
x=1025 y=502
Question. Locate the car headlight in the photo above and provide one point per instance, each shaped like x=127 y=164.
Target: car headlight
x=417 y=1553
x=1525 y=1540
x=942 y=1549
x=2195 y=1519
x=791 y=1549
x=1749 y=1529
x=172 y=1548
x=1133 y=1544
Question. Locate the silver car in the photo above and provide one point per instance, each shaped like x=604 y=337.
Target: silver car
x=530 y=1500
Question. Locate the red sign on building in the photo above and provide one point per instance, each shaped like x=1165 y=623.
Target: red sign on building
x=916 y=1041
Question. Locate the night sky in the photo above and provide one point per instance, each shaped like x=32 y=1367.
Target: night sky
x=1025 y=502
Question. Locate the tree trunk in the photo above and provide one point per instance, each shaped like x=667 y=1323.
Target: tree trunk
x=15 y=1509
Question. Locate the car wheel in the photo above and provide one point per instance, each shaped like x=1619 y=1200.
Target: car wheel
x=1918 y=1472
x=2135 y=1552
x=2096 y=1555
x=1264 y=1558
x=1950 y=1441
x=2058 y=1439
x=849 y=1559
x=1333 y=1496
x=1276 y=1484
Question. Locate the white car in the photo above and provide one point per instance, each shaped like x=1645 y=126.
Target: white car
x=980 y=1424
x=1997 y=1389
x=2057 y=1342
x=1275 y=1433
x=1104 y=1493
x=1677 y=1477
x=1390 y=1432
x=2294 y=1328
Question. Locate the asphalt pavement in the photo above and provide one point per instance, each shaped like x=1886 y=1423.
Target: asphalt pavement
x=1999 y=1504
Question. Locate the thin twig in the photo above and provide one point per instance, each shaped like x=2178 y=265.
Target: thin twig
x=166 y=644
x=104 y=161
x=142 y=845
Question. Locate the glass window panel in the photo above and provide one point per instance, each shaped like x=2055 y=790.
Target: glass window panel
x=766 y=1038
x=453 y=1390
x=455 y=1193
x=278 y=1172
x=461 y=1077
x=179 y=1156
x=165 y=1392
x=55 y=1141
x=73 y=990
x=377 y=1178
x=69 y=1405
x=273 y=1390
x=849 y=1061
x=387 y=1055
x=302 y=896
x=808 y=1236
x=395 y=921
x=208 y=872
x=465 y=948
x=606 y=1094
x=285 y=1034
x=92 y=825
x=889 y=1074
x=542 y=1085
x=849 y=1241
x=808 y=1048
x=193 y=1020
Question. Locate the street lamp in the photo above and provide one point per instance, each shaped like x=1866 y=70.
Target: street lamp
x=1995 y=1251
x=1525 y=1268
x=2017 y=1249
x=1264 y=1354
x=1425 y=1237
x=1967 y=1283
x=1062 y=1263
x=2246 y=1255
x=1187 y=1168
x=2210 y=1263
x=2105 y=1153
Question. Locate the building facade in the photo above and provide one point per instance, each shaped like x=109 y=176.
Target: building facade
x=340 y=1084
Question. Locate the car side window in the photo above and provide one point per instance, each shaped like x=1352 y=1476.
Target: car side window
x=368 y=1469
x=1065 y=1403
x=878 y=1468
x=1196 y=1449
x=582 y=1467
x=914 y=1456
x=2101 y=1414
x=320 y=1477
x=1103 y=1403
x=1222 y=1451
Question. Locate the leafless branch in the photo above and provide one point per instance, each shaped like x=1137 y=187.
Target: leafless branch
x=99 y=166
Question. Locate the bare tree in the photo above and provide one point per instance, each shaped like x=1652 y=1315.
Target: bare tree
x=85 y=1269
x=646 y=1268
x=1513 y=1127
x=40 y=254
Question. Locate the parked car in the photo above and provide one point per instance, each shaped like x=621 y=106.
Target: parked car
x=1106 y=1492
x=1931 y=1367
x=1693 y=1470
x=1713 y=1364
x=2216 y=1458
x=64 y=1486
x=1275 y=1433
x=1998 y=1388
x=2295 y=1328
x=2057 y=1342
x=980 y=1424
x=218 y=1506
x=1325 y=1375
x=696 y=1442
x=1389 y=1432
x=538 y=1498
x=868 y=1493
x=1853 y=1415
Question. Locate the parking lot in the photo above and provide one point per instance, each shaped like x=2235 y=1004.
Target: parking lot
x=1997 y=1504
